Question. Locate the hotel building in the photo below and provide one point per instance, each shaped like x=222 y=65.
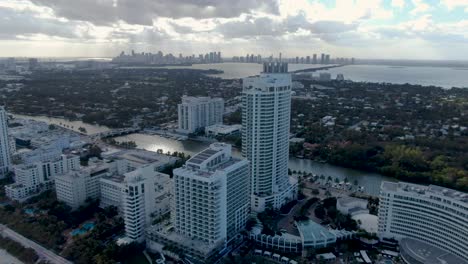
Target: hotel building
x=432 y=215
x=266 y=109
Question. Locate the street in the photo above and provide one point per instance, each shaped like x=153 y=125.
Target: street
x=40 y=250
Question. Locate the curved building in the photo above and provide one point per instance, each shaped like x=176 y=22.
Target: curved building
x=431 y=214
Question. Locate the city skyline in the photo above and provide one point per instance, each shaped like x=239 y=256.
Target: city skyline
x=428 y=29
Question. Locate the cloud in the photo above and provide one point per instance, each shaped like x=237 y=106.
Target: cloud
x=452 y=4
x=14 y=23
x=143 y=12
x=419 y=7
x=398 y=3
x=330 y=27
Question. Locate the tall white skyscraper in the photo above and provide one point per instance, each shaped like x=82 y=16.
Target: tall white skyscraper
x=266 y=108
x=5 y=155
x=198 y=112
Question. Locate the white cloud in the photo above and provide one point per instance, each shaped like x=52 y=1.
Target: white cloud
x=451 y=4
x=398 y=3
x=419 y=7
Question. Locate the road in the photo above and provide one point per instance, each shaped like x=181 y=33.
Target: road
x=41 y=251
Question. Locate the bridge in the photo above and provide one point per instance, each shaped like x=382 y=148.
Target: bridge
x=319 y=68
x=116 y=132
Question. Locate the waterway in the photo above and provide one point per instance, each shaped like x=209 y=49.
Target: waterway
x=370 y=181
x=445 y=77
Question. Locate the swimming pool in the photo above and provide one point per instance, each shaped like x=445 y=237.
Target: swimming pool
x=83 y=230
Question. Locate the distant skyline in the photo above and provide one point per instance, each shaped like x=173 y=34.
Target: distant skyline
x=375 y=29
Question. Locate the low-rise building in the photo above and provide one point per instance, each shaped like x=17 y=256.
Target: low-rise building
x=75 y=187
x=33 y=178
x=222 y=130
x=352 y=206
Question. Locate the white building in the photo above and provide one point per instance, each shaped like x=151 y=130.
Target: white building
x=137 y=158
x=198 y=112
x=210 y=205
x=138 y=195
x=144 y=194
x=430 y=214
x=36 y=177
x=352 y=206
x=222 y=130
x=266 y=108
x=74 y=187
x=5 y=155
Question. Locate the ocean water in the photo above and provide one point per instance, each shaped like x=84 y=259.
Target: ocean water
x=445 y=77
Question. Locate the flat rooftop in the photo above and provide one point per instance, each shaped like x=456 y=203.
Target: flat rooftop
x=203 y=156
x=140 y=156
x=119 y=178
x=418 y=189
x=185 y=241
x=428 y=254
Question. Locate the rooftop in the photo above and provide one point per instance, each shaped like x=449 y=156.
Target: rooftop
x=203 y=156
x=427 y=254
x=424 y=190
x=168 y=233
x=139 y=156
x=197 y=99
x=311 y=231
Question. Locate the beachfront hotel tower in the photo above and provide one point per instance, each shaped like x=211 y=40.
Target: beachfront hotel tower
x=266 y=109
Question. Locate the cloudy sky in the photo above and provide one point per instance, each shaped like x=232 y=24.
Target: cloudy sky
x=411 y=29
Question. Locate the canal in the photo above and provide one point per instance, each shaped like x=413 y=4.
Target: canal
x=370 y=181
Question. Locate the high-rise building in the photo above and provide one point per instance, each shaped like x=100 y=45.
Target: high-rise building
x=5 y=155
x=322 y=58
x=142 y=193
x=434 y=216
x=314 y=60
x=214 y=180
x=211 y=203
x=195 y=113
x=266 y=108
x=327 y=59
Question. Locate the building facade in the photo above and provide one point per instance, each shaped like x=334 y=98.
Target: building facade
x=210 y=206
x=36 y=177
x=266 y=108
x=195 y=113
x=5 y=155
x=430 y=214
x=75 y=187
x=142 y=193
